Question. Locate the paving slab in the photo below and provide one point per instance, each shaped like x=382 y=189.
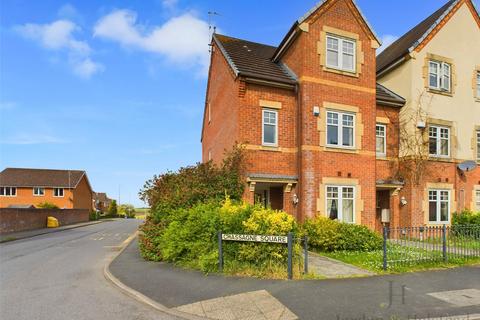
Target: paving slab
x=250 y=305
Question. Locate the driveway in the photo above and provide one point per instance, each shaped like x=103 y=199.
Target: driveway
x=60 y=276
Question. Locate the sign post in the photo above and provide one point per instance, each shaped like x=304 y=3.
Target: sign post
x=288 y=240
x=220 y=252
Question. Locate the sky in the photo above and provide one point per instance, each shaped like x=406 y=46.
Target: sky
x=117 y=88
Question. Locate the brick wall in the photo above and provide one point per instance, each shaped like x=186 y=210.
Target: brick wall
x=13 y=220
x=221 y=106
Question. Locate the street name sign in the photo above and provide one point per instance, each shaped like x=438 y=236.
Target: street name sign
x=255 y=238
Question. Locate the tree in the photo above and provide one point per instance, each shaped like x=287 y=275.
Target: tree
x=112 y=210
x=414 y=141
x=127 y=210
x=199 y=183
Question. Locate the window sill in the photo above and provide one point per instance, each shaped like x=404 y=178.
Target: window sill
x=352 y=74
x=340 y=149
x=440 y=92
x=381 y=156
x=440 y=159
x=270 y=148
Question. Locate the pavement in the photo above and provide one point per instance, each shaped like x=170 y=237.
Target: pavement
x=60 y=276
x=10 y=236
x=443 y=294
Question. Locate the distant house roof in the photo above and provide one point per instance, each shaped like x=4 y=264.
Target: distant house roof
x=101 y=196
x=251 y=59
x=410 y=40
x=20 y=177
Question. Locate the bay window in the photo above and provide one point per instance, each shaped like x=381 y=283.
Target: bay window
x=340 y=203
x=439 y=206
x=341 y=53
x=439 y=141
x=340 y=129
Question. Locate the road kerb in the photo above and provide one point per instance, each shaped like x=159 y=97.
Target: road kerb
x=134 y=293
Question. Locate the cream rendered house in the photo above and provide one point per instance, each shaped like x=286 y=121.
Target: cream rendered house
x=436 y=68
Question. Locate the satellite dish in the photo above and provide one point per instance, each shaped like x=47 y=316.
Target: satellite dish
x=467 y=166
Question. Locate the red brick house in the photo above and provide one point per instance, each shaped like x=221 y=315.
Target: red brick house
x=321 y=135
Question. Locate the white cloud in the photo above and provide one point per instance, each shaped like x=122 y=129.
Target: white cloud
x=169 y=3
x=86 y=68
x=183 y=40
x=387 y=40
x=59 y=35
x=29 y=139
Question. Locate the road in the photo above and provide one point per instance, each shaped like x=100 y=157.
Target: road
x=60 y=276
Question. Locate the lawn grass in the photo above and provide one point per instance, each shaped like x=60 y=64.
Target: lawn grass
x=401 y=259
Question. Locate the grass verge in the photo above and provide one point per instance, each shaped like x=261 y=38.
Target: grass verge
x=401 y=259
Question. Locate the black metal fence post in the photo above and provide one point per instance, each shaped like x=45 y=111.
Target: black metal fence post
x=305 y=253
x=220 y=252
x=444 y=241
x=290 y=249
x=385 y=231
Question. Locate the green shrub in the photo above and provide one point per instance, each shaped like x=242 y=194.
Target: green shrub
x=127 y=210
x=112 y=209
x=329 y=235
x=47 y=205
x=466 y=224
x=191 y=185
x=188 y=236
x=93 y=216
x=466 y=218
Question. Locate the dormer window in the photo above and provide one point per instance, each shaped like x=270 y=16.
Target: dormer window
x=440 y=76
x=341 y=53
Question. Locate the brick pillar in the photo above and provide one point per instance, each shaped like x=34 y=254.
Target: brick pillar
x=288 y=192
x=394 y=209
x=249 y=193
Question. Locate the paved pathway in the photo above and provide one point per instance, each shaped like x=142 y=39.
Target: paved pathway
x=377 y=297
x=59 y=276
x=36 y=232
x=332 y=269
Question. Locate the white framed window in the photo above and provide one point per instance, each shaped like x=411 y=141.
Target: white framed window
x=341 y=53
x=439 y=206
x=477 y=200
x=478 y=145
x=58 y=192
x=381 y=139
x=440 y=75
x=269 y=127
x=478 y=84
x=38 y=191
x=341 y=203
x=439 y=141
x=340 y=129
x=8 y=191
